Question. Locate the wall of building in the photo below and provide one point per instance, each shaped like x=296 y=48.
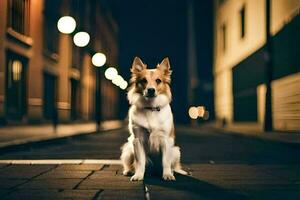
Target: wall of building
x=3 y=14
x=240 y=95
x=28 y=47
x=237 y=48
x=40 y=62
x=286 y=84
x=283 y=12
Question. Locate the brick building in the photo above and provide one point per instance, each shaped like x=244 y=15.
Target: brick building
x=43 y=74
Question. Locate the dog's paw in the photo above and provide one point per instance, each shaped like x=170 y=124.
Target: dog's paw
x=168 y=177
x=137 y=177
x=127 y=172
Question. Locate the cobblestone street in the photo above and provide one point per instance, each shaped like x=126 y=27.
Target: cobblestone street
x=222 y=166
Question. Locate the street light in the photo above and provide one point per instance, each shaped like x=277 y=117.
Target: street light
x=110 y=73
x=98 y=59
x=66 y=24
x=81 y=39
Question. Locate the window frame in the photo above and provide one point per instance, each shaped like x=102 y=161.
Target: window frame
x=50 y=20
x=242 y=22
x=23 y=18
x=223 y=31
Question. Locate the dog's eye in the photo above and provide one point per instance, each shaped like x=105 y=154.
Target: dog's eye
x=143 y=81
x=158 y=81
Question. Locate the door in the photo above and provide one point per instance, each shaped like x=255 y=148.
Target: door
x=50 y=96
x=16 y=87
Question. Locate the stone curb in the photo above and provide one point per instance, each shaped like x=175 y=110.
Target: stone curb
x=43 y=140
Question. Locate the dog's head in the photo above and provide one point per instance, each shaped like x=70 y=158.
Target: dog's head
x=151 y=85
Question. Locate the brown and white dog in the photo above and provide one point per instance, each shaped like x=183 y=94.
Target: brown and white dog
x=150 y=122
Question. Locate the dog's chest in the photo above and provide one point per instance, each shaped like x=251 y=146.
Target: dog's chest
x=153 y=120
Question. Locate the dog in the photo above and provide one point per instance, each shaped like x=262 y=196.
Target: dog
x=150 y=124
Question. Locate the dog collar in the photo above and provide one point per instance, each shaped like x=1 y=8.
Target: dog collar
x=153 y=108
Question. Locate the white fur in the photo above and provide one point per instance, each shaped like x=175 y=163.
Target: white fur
x=159 y=125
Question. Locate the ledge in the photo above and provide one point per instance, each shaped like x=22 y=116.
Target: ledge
x=22 y=39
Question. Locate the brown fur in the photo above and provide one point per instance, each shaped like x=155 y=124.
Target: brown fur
x=143 y=78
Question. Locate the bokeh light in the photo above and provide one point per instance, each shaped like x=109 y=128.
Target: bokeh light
x=66 y=24
x=81 y=39
x=123 y=85
x=193 y=112
x=110 y=73
x=117 y=80
x=201 y=111
x=98 y=59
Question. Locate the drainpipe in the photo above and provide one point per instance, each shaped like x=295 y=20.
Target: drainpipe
x=268 y=122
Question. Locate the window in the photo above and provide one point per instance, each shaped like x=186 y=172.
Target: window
x=223 y=36
x=19 y=15
x=51 y=34
x=242 y=22
x=50 y=96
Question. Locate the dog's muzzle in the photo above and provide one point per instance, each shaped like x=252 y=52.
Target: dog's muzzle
x=150 y=93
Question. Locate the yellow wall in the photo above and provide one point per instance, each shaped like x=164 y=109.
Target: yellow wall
x=261 y=101
x=237 y=48
x=286 y=103
x=223 y=96
x=282 y=11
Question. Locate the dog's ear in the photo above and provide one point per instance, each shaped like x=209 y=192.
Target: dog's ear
x=137 y=65
x=165 y=67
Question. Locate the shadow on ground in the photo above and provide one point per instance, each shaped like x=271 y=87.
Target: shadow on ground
x=187 y=185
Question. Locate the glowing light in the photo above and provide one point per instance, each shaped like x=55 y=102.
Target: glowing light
x=123 y=85
x=117 y=80
x=201 y=111
x=98 y=59
x=81 y=39
x=17 y=70
x=193 y=112
x=66 y=24
x=110 y=73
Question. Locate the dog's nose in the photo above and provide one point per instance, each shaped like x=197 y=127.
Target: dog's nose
x=151 y=92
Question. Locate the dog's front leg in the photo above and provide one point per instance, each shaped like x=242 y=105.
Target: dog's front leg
x=139 y=153
x=167 y=145
x=140 y=160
